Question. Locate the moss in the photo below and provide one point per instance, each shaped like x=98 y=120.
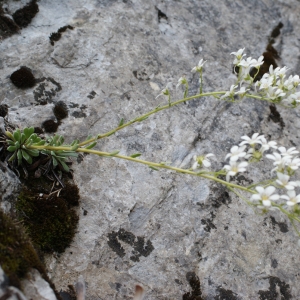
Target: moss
x=17 y=254
x=24 y=15
x=60 y=110
x=3 y=110
x=50 y=126
x=55 y=36
x=7 y=26
x=23 y=78
x=71 y=194
x=48 y=220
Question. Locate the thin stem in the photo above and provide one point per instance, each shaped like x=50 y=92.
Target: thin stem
x=201 y=82
x=145 y=116
x=163 y=166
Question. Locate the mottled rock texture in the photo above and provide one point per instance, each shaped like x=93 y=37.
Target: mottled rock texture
x=180 y=237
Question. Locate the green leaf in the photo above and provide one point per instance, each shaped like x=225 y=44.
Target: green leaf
x=26 y=156
x=17 y=135
x=135 y=155
x=13 y=156
x=114 y=153
x=143 y=119
x=28 y=131
x=121 y=122
x=153 y=168
x=19 y=156
x=75 y=147
x=89 y=137
x=11 y=148
x=64 y=165
x=33 y=152
x=23 y=137
x=9 y=135
x=92 y=145
x=54 y=161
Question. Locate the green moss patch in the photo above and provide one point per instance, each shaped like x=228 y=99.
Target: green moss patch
x=17 y=254
x=49 y=221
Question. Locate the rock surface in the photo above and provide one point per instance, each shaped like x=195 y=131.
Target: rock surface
x=180 y=237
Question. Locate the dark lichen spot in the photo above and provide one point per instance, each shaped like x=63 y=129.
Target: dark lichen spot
x=24 y=15
x=282 y=225
x=275 y=116
x=274 y=263
x=194 y=282
x=50 y=126
x=55 y=36
x=209 y=222
x=276 y=285
x=7 y=27
x=3 y=110
x=140 y=246
x=46 y=90
x=49 y=221
x=114 y=244
x=71 y=194
x=78 y=114
x=60 y=110
x=23 y=78
x=225 y=294
x=221 y=197
x=126 y=236
x=161 y=15
x=92 y=95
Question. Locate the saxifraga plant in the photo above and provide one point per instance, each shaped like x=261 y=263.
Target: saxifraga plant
x=273 y=87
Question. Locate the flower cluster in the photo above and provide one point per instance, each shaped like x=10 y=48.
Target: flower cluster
x=275 y=86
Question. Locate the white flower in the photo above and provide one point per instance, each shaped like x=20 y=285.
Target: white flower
x=230 y=93
x=236 y=153
x=199 y=67
x=291 y=198
x=181 y=80
x=165 y=91
x=265 y=195
x=279 y=161
x=294 y=163
x=265 y=145
x=242 y=91
x=234 y=167
x=202 y=160
x=259 y=62
x=283 y=181
x=238 y=56
x=255 y=139
x=289 y=153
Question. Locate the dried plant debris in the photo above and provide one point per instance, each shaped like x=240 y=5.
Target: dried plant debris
x=23 y=78
x=24 y=15
x=55 y=36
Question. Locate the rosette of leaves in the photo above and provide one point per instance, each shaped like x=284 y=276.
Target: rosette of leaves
x=19 y=142
x=59 y=157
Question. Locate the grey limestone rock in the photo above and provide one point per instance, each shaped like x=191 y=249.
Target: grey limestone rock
x=178 y=236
